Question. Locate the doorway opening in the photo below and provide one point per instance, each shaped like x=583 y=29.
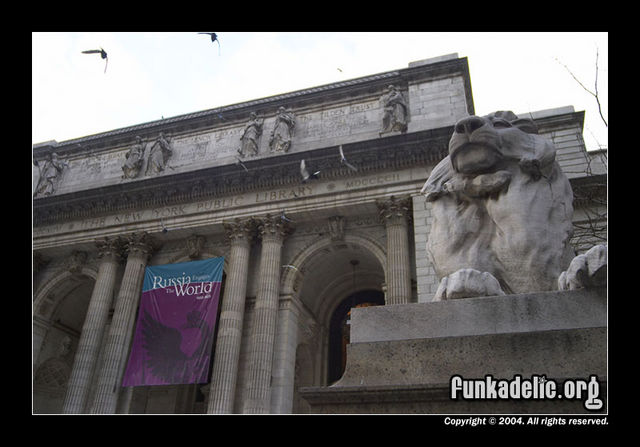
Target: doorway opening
x=339 y=329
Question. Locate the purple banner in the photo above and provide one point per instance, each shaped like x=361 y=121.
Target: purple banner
x=176 y=322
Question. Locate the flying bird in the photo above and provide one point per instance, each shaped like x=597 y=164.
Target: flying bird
x=214 y=38
x=239 y=163
x=103 y=55
x=284 y=218
x=344 y=161
x=305 y=173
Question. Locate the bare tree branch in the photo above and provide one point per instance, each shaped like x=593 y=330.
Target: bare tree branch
x=594 y=94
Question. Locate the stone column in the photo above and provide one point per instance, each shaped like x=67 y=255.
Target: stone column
x=284 y=358
x=272 y=230
x=227 y=354
x=86 y=357
x=394 y=213
x=139 y=247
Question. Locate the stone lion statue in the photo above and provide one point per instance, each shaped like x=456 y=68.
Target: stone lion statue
x=502 y=212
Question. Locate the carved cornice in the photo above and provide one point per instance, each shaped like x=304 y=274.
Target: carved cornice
x=590 y=190
x=372 y=156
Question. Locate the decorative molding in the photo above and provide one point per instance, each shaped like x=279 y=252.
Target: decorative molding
x=336 y=228
x=372 y=156
x=194 y=245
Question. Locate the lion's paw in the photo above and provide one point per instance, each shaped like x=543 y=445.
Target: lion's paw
x=586 y=270
x=467 y=283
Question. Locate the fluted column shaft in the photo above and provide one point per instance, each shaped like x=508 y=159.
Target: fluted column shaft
x=284 y=357
x=265 y=315
x=227 y=353
x=95 y=321
x=139 y=248
x=394 y=212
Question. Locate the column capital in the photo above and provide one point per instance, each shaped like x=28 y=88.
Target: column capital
x=239 y=230
x=394 y=209
x=140 y=244
x=110 y=248
x=273 y=227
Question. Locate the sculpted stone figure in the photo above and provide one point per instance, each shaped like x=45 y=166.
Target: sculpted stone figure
x=502 y=210
x=586 y=270
x=250 y=135
x=159 y=155
x=395 y=111
x=134 y=160
x=282 y=131
x=194 y=245
x=50 y=173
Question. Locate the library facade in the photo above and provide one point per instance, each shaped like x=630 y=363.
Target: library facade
x=314 y=200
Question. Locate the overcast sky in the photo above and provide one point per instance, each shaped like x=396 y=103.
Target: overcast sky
x=155 y=75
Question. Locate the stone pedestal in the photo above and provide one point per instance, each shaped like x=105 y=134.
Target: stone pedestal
x=401 y=358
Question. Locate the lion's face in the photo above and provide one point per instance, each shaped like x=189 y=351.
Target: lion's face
x=480 y=144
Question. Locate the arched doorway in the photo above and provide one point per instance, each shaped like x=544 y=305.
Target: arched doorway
x=326 y=281
x=61 y=306
x=339 y=329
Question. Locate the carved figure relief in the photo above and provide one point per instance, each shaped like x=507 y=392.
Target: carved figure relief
x=194 y=245
x=159 y=154
x=502 y=210
x=282 y=132
x=395 y=111
x=50 y=173
x=336 y=228
x=134 y=159
x=75 y=261
x=250 y=136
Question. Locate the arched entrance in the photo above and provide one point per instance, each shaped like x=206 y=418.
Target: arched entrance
x=339 y=329
x=59 y=312
x=330 y=276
